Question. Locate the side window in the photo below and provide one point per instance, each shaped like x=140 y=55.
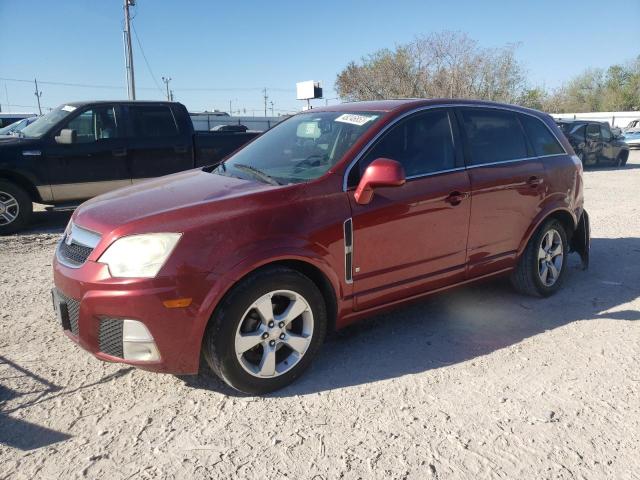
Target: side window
x=95 y=124
x=494 y=135
x=593 y=132
x=579 y=131
x=422 y=143
x=605 y=132
x=543 y=141
x=152 y=121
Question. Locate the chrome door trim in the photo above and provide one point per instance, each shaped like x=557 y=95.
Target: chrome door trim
x=448 y=105
x=439 y=172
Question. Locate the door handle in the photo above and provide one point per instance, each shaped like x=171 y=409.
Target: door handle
x=455 y=198
x=534 y=181
x=119 y=152
x=180 y=148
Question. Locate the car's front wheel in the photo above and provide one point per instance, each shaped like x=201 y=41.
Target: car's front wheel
x=621 y=161
x=542 y=266
x=266 y=331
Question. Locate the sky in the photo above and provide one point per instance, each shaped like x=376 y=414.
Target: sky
x=221 y=51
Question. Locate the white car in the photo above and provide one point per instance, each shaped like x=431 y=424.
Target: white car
x=633 y=126
x=632 y=138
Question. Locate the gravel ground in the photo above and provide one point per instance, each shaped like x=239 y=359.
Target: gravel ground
x=476 y=383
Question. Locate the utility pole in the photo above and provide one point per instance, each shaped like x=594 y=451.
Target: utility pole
x=265 y=101
x=128 y=51
x=38 y=94
x=271 y=103
x=171 y=95
x=166 y=81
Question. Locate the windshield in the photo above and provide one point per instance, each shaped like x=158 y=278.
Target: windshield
x=15 y=126
x=299 y=149
x=43 y=124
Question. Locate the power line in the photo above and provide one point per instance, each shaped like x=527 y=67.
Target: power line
x=115 y=87
x=145 y=59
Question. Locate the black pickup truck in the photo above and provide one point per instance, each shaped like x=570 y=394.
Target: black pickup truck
x=80 y=150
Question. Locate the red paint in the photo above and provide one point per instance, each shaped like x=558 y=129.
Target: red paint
x=382 y=172
x=410 y=240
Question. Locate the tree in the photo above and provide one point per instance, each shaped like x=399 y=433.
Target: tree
x=444 y=65
x=452 y=65
x=613 y=90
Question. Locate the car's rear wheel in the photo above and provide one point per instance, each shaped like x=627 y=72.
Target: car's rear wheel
x=266 y=331
x=542 y=266
x=15 y=208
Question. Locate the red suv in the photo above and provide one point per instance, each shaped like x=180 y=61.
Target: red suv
x=331 y=216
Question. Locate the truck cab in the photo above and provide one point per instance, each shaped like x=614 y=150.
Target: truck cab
x=80 y=150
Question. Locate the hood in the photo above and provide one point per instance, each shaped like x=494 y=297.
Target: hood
x=163 y=195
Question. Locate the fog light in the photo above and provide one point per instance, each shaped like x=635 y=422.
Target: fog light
x=137 y=342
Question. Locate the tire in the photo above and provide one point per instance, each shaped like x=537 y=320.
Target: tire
x=529 y=277
x=15 y=208
x=621 y=161
x=243 y=316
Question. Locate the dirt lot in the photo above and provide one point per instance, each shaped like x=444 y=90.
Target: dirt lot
x=476 y=383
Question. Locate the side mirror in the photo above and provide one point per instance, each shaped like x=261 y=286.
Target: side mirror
x=382 y=172
x=66 y=136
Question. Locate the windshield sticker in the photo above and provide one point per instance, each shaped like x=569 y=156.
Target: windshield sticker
x=354 y=119
x=68 y=108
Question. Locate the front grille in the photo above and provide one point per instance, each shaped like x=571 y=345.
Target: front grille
x=110 y=337
x=73 y=254
x=73 y=309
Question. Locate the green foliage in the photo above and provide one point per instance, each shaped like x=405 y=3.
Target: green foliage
x=451 y=65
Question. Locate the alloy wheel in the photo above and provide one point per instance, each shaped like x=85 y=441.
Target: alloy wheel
x=550 y=257
x=9 y=208
x=274 y=333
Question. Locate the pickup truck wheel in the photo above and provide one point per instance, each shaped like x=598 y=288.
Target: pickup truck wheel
x=266 y=331
x=15 y=208
x=542 y=266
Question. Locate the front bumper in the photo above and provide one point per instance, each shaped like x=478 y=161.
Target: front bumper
x=102 y=302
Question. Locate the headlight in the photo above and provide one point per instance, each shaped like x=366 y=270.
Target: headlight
x=139 y=255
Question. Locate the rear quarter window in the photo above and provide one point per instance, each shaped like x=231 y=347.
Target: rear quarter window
x=152 y=121
x=541 y=138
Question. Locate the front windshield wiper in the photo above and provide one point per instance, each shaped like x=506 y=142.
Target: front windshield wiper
x=256 y=173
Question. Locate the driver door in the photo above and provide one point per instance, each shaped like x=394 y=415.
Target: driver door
x=412 y=238
x=96 y=162
x=608 y=150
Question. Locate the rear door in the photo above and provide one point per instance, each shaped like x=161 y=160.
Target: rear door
x=157 y=144
x=608 y=152
x=412 y=238
x=96 y=163
x=593 y=144
x=507 y=186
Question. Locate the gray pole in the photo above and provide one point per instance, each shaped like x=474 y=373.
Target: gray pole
x=128 y=51
x=166 y=81
x=265 y=102
x=38 y=94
